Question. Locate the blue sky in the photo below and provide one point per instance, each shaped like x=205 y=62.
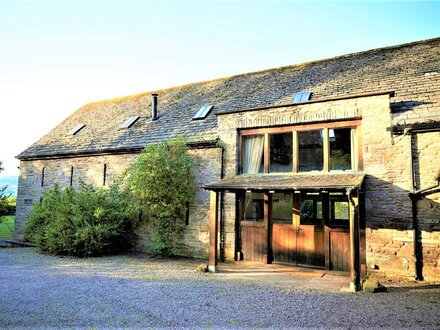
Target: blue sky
x=58 y=55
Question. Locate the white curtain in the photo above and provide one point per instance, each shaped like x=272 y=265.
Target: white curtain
x=253 y=154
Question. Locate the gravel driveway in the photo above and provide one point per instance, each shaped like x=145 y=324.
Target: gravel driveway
x=133 y=291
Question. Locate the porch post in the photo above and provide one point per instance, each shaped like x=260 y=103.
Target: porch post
x=325 y=218
x=267 y=254
x=213 y=239
x=355 y=268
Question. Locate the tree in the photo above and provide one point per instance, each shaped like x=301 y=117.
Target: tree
x=162 y=179
x=3 y=196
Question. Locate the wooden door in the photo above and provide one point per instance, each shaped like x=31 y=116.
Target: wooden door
x=253 y=227
x=310 y=238
x=283 y=228
x=299 y=241
x=284 y=243
x=253 y=236
x=310 y=247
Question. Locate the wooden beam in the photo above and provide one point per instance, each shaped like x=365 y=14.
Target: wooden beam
x=295 y=152
x=326 y=220
x=239 y=202
x=301 y=127
x=360 y=160
x=266 y=153
x=239 y=169
x=213 y=234
x=326 y=150
x=267 y=255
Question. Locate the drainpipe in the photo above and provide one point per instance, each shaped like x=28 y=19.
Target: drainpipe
x=222 y=222
x=417 y=235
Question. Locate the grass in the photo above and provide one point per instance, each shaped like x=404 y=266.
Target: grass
x=7 y=224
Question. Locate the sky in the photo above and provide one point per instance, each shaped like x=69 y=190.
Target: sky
x=56 y=56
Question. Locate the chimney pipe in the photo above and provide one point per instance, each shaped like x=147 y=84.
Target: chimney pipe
x=154 y=107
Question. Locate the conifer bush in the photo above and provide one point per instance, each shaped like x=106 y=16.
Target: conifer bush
x=162 y=179
x=85 y=222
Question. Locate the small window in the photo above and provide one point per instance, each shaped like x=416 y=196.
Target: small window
x=340 y=148
x=301 y=96
x=311 y=209
x=339 y=210
x=254 y=207
x=253 y=154
x=282 y=208
x=311 y=152
x=130 y=121
x=280 y=153
x=203 y=112
x=76 y=129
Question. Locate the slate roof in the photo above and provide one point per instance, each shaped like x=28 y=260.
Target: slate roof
x=409 y=70
x=289 y=182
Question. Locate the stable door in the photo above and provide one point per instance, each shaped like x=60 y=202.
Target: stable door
x=297 y=229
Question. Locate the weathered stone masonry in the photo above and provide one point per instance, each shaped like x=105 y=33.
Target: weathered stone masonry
x=345 y=87
x=90 y=170
x=389 y=236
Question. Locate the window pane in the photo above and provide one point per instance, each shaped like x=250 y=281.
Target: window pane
x=340 y=149
x=311 y=156
x=254 y=207
x=339 y=211
x=282 y=208
x=252 y=154
x=280 y=153
x=311 y=210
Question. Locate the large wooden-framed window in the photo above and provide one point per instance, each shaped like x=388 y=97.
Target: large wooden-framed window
x=320 y=147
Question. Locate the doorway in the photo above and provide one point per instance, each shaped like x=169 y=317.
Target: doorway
x=293 y=233
x=298 y=229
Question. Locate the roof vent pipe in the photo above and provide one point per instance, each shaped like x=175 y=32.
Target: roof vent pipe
x=154 y=107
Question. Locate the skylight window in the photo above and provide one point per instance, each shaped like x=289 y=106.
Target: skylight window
x=76 y=129
x=301 y=96
x=203 y=112
x=130 y=121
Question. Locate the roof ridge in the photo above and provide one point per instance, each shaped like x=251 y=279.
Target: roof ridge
x=298 y=65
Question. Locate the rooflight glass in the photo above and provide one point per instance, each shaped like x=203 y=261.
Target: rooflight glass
x=301 y=96
x=130 y=121
x=76 y=129
x=203 y=112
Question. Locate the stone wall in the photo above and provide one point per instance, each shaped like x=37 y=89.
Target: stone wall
x=228 y=126
x=386 y=161
x=90 y=170
x=390 y=235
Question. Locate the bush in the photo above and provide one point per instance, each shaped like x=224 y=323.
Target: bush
x=87 y=222
x=162 y=179
x=11 y=205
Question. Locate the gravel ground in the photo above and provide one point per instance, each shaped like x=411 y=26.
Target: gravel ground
x=39 y=291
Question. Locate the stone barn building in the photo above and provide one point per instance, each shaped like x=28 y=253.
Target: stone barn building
x=331 y=164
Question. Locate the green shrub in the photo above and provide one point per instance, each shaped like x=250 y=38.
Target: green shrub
x=86 y=222
x=162 y=179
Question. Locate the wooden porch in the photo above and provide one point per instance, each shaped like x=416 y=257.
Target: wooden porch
x=286 y=275
x=320 y=245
